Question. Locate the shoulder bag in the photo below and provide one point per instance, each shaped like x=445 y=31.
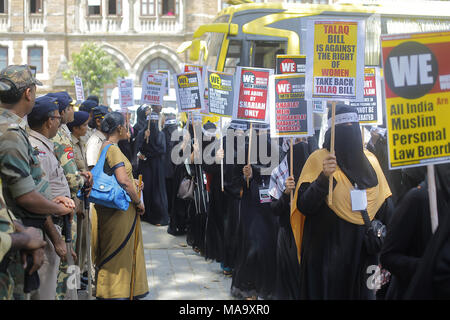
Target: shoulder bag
x=106 y=190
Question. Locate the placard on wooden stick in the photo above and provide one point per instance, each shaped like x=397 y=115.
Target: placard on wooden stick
x=335 y=64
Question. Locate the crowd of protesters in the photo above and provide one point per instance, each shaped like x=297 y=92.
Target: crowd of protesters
x=278 y=232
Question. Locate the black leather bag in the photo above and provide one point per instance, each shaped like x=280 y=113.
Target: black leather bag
x=187 y=185
x=375 y=234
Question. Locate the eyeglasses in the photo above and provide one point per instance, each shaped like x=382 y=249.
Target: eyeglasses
x=56 y=117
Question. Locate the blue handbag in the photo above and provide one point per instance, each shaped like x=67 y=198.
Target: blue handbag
x=106 y=191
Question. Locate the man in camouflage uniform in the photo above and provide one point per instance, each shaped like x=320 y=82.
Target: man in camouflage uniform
x=25 y=189
x=76 y=179
x=13 y=237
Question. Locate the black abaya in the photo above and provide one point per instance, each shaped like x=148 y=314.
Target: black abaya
x=255 y=265
x=334 y=258
x=288 y=269
x=152 y=170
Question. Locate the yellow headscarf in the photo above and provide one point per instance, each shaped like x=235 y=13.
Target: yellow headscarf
x=341 y=204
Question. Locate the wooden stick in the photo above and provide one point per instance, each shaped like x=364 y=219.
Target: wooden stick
x=148 y=126
x=136 y=237
x=249 y=151
x=221 y=147
x=333 y=120
x=432 y=197
x=292 y=170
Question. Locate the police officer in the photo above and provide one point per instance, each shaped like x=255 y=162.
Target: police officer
x=44 y=121
x=88 y=106
x=63 y=145
x=76 y=179
x=25 y=189
x=78 y=129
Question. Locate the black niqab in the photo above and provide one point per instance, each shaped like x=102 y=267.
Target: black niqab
x=350 y=156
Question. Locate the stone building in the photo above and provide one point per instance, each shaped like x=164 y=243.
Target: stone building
x=139 y=34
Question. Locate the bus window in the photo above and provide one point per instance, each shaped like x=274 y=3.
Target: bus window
x=263 y=53
x=214 y=41
x=233 y=56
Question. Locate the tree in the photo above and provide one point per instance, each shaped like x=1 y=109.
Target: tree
x=95 y=67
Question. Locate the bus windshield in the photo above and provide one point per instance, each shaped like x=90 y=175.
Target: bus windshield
x=214 y=41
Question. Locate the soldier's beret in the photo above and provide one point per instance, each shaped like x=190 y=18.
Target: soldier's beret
x=88 y=105
x=100 y=111
x=80 y=117
x=42 y=106
x=63 y=98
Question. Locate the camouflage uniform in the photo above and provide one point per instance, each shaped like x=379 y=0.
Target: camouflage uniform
x=6 y=227
x=79 y=149
x=20 y=170
x=64 y=153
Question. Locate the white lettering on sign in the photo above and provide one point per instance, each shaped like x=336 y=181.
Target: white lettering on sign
x=288 y=67
x=411 y=68
x=248 y=78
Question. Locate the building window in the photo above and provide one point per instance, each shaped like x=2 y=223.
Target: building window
x=36 y=6
x=147 y=7
x=158 y=64
x=3 y=57
x=3 y=6
x=35 y=58
x=115 y=7
x=94 y=7
x=169 y=7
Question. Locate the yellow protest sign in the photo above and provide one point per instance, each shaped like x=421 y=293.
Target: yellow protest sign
x=335 y=70
x=417 y=91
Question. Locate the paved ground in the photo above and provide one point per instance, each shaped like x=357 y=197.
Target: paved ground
x=175 y=271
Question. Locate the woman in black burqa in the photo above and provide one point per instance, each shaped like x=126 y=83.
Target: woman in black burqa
x=287 y=285
x=334 y=258
x=197 y=211
x=410 y=251
x=170 y=126
x=151 y=166
x=214 y=229
x=255 y=264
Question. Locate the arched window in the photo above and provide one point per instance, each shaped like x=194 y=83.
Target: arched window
x=158 y=64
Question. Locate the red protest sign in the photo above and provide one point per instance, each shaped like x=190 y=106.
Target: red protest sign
x=251 y=98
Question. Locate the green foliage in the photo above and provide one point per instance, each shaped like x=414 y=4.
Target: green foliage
x=95 y=67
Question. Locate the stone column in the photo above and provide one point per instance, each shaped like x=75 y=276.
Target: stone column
x=131 y=16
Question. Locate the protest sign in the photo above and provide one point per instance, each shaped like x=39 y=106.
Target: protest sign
x=251 y=94
x=417 y=92
x=189 y=90
x=335 y=64
x=290 y=114
x=290 y=64
x=194 y=67
x=205 y=108
x=220 y=93
x=319 y=106
x=153 y=88
x=79 y=90
x=167 y=83
x=370 y=110
x=126 y=96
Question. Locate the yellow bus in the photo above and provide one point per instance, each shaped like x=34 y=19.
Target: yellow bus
x=252 y=34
